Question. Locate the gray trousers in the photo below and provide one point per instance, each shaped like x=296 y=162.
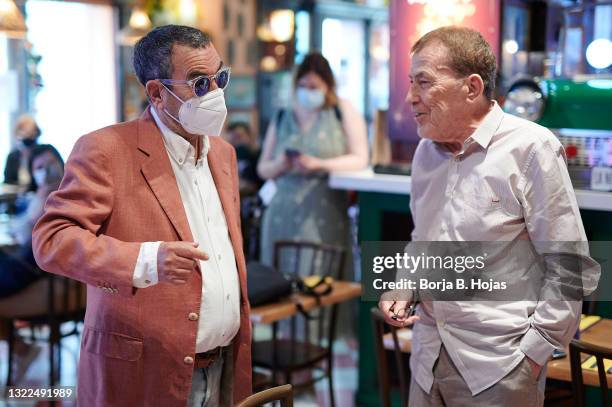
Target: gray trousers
x=517 y=388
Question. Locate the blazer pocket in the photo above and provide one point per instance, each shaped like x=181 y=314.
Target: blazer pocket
x=112 y=345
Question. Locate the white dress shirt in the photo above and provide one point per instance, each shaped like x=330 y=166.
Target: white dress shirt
x=510 y=182
x=219 y=318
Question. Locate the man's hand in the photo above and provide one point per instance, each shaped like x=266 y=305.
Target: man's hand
x=177 y=260
x=535 y=368
x=396 y=311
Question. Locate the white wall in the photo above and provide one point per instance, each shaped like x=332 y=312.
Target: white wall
x=79 y=94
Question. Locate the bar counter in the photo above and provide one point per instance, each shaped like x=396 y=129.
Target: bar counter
x=368 y=181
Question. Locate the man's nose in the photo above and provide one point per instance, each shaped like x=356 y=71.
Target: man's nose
x=411 y=95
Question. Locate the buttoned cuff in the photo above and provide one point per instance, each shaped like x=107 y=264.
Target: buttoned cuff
x=145 y=272
x=536 y=347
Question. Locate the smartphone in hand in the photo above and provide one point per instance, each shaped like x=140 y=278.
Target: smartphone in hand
x=292 y=153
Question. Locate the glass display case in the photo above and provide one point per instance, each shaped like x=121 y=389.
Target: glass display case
x=574 y=98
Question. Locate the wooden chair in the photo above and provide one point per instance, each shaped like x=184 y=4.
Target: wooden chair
x=382 y=366
x=600 y=353
x=50 y=301
x=284 y=394
x=309 y=345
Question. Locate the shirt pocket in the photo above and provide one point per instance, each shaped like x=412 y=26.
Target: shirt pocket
x=486 y=208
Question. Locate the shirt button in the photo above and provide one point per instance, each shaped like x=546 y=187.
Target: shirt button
x=147 y=281
x=219 y=257
x=227 y=297
x=193 y=316
x=188 y=360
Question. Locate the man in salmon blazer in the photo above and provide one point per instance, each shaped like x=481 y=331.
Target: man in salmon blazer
x=148 y=216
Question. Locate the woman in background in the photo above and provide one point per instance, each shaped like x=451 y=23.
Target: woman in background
x=318 y=134
x=18 y=268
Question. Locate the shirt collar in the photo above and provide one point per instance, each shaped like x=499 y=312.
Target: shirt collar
x=179 y=149
x=487 y=128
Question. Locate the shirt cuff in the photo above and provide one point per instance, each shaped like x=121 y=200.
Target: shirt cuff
x=145 y=272
x=536 y=347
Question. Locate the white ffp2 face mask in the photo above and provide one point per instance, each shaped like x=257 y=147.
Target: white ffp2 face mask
x=202 y=115
x=310 y=99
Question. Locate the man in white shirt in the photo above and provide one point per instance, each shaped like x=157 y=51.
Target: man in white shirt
x=148 y=217
x=480 y=174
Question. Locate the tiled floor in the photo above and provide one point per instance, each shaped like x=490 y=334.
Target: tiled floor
x=345 y=375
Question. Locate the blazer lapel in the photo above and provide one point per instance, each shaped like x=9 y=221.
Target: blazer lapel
x=158 y=173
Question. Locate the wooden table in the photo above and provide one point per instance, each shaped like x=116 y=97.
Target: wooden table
x=9 y=192
x=598 y=334
x=287 y=307
x=559 y=369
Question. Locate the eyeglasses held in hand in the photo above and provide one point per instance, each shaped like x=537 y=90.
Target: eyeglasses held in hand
x=411 y=311
x=201 y=84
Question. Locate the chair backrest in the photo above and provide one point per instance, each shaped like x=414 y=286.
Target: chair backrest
x=382 y=365
x=301 y=259
x=600 y=353
x=284 y=394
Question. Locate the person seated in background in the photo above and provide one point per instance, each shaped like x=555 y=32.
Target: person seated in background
x=318 y=134
x=247 y=153
x=18 y=268
x=27 y=133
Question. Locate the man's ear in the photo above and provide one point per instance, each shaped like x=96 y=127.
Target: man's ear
x=153 y=91
x=475 y=86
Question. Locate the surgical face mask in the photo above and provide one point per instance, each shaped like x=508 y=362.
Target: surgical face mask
x=310 y=99
x=50 y=175
x=202 y=115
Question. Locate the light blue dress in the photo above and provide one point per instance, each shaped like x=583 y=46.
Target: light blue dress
x=304 y=207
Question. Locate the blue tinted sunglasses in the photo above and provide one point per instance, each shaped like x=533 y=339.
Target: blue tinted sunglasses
x=201 y=84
